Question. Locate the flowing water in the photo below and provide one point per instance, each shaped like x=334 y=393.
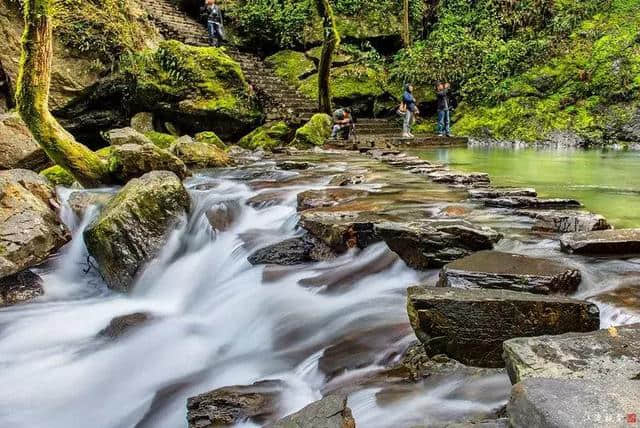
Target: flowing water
x=218 y=321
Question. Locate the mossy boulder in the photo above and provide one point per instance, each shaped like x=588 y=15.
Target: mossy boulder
x=160 y=139
x=210 y=137
x=58 y=176
x=267 y=137
x=199 y=155
x=292 y=66
x=134 y=226
x=315 y=132
x=132 y=160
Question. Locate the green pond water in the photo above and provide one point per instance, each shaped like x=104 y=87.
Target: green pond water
x=606 y=182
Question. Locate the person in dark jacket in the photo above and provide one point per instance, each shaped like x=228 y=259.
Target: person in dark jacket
x=343 y=123
x=411 y=108
x=214 y=22
x=444 y=109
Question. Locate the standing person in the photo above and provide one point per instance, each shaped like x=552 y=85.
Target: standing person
x=411 y=110
x=444 y=109
x=214 y=22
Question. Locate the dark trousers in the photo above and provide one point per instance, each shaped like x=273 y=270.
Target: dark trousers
x=214 y=33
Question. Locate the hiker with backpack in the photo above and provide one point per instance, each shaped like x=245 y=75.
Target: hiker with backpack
x=213 y=14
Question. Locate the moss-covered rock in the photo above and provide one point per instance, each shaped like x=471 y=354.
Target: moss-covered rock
x=132 y=160
x=267 y=137
x=199 y=155
x=133 y=227
x=315 y=132
x=160 y=139
x=292 y=66
x=58 y=176
x=210 y=137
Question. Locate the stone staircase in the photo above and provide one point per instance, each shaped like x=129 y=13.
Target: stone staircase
x=280 y=100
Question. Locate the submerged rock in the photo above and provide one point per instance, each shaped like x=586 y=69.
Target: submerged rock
x=20 y=288
x=199 y=155
x=230 y=405
x=431 y=244
x=310 y=199
x=600 y=355
x=494 y=269
x=122 y=136
x=294 y=251
x=330 y=412
x=531 y=202
x=621 y=241
x=132 y=160
x=19 y=149
x=122 y=325
x=346 y=180
x=502 y=192
x=134 y=226
x=223 y=214
x=561 y=403
x=294 y=165
x=566 y=221
x=268 y=198
x=81 y=201
x=627 y=297
x=471 y=325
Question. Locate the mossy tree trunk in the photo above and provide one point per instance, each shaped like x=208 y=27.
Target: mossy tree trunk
x=32 y=99
x=329 y=46
x=406 y=35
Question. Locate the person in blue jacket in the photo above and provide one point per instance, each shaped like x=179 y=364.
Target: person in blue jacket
x=411 y=110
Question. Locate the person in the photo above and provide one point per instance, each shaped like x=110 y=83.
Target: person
x=214 y=22
x=444 y=109
x=411 y=110
x=342 y=120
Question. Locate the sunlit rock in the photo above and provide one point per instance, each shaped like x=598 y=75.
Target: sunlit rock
x=621 y=241
x=566 y=221
x=330 y=412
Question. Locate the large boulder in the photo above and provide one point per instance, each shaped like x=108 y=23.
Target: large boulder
x=429 y=244
x=20 y=288
x=600 y=355
x=315 y=132
x=621 y=241
x=132 y=160
x=121 y=136
x=267 y=137
x=30 y=230
x=230 y=405
x=19 y=149
x=330 y=412
x=566 y=221
x=471 y=325
x=199 y=155
x=494 y=269
x=133 y=227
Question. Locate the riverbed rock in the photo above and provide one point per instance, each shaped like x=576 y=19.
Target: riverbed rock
x=566 y=221
x=119 y=326
x=82 y=200
x=122 y=136
x=134 y=226
x=471 y=325
x=293 y=251
x=30 y=230
x=600 y=355
x=199 y=155
x=620 y=241
x=230 y=405
x=530 y=202
x=341 y=230
x=627 y=297
x=133 y=160
x=222 y=215
x=315 y=132
x=290 y=165
x=330 y=412
x=327 y=197
x=19 y=149
x=502 y=192
x=564 y=403
x=142 y=122
x=20 y=288
x=346 y=180
x=494 y=269
x=428 y=244
x=268 y=198
x=456 y=177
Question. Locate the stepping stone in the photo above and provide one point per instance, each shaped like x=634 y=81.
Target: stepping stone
x=495 y=193
x=531 y=202
x=453 y=177
x=494 y=269
x=471 y=325
x=566 y=221
x=599 y=355
x=341 y=230
x=621 y=241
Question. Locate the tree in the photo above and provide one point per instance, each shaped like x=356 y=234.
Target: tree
x=329 y=46
x=406 y=35
x=32 y=100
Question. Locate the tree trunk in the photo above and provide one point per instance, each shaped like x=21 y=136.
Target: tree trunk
x=32 y=99
x=330 y=44
x=406 y=35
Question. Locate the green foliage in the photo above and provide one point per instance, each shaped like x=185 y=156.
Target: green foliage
x=315 y=132
x=350 y=82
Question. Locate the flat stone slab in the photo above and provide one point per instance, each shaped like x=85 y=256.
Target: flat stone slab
x=563 y=403
x=322 y=198
x=471 y=325
x=566 y=221
x=621 y=241
x=502 y=192
x=599 y=355
x=455 y=177
x=530 y=202
x=429 y=244
x=330 y=412
x=494 y=269
x=341 y=230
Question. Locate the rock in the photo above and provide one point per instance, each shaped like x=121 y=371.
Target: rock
x=20 y=288
x=330 y=412
x=19 y=149
x=58 y=176
x=294 y=251
x=223 y=214
x=471 y=325
x=142 y=122
x=565 y=139
x=531 y=202
x=428 y=244
x=487 y=423
x=494 y=269
x=562 y=403
x=210 y=137
x=346 y=180
x=621 y=241
x=294 y=165
x=29 y=228
x=230 y=405
x=81 y=201
x=631 y=130
x=267 y=199
x=327 y=197
x=199 y=155
x=267 y=137
x=502 y=192
x=134 y=226
x=132 y=161
x=119 y=326
x=315 y=132
x=625 y=297
x=455 y=177
x=122 y=136
x=600 y=355
x=566 y=221
x=341 y=230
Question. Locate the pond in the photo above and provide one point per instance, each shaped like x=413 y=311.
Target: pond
x=606 y=182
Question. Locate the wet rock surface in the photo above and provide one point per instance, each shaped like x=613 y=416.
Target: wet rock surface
x=494 y=269
x=125 y=324
x=19 y=149
x=310 y=199
x=330 y=412
x=293 y=251
x=346 y=180
x=20 y=288
x=600 y=355
x=230 y=405
x=199 y=154
x=80 y=202
x=341 y=230
x=267 y=199
x=471 y=325
x=530 y=202
x=294 y=165
x=222 y=215
x=566 y=221
x=620 y=241
x=502 y=192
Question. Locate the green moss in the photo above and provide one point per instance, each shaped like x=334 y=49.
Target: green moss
x=200 y=155
x=104 y=152
x=160 y=139
x=58 y=176
x=266 y=137
x=210 y=137
x=350 y=82
x=315 y=132
x=291 y=65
